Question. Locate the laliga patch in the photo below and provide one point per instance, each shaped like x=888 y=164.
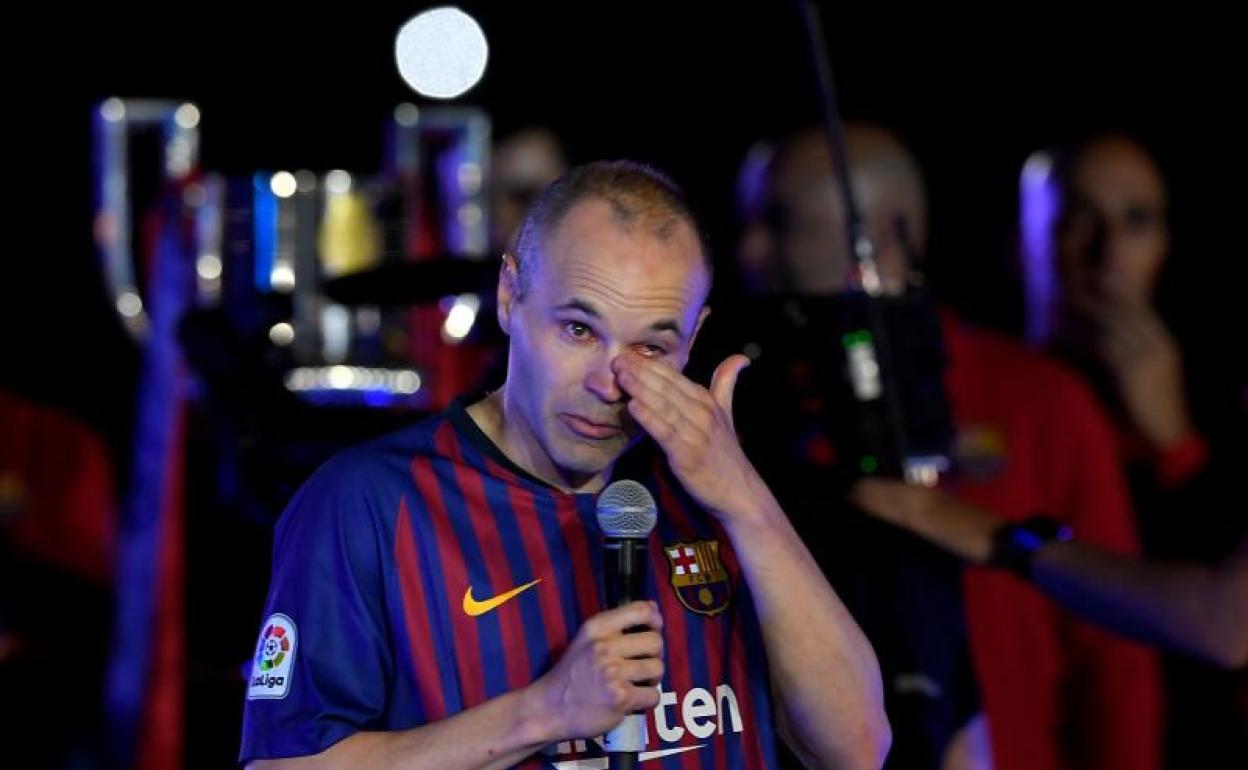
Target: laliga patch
x=274 y=660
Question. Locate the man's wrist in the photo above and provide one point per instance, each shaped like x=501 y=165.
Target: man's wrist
x=536 y=725
x=753 y=512
x=1015 y=544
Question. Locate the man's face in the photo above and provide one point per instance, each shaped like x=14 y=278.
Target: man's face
x=598 y=291
x=811 y=249
x=521 y=168
x=1113 y=237
x=815 y=244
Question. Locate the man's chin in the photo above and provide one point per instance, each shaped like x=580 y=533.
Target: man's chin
x=590 y=458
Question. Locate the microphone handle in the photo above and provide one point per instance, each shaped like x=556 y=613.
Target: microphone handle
x=625 y=578
x=625 y=572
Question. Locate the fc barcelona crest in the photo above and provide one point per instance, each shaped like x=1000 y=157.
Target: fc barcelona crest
x=699 y=577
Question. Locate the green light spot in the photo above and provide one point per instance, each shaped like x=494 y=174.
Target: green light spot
x=854 y=339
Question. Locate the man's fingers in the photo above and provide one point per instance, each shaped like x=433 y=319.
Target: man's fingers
x=656 y=376
x=643 y=644
x=614 y=621
x=644 y=670
x=724 y=380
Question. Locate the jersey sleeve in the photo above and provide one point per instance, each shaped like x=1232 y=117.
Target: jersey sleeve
x=323 y=661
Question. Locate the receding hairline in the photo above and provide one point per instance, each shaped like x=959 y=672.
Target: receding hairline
x=648 y=217
x=665 y=228
x=641 y=199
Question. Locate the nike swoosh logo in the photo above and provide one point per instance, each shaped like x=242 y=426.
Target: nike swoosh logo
x=600 y=763
x=645 y=755
x=474 y=608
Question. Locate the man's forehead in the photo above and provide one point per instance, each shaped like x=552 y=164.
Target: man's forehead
x=595 y=219
x=1120 y=169
x=581 y=281
x=593 y=249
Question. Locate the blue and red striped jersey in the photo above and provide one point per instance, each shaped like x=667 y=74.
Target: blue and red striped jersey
x=384 y=610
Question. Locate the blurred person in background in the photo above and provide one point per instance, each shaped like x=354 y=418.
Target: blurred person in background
x=1053 y=691
x=1094 y=259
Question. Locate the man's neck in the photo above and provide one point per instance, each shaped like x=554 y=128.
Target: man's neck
x=516 y=440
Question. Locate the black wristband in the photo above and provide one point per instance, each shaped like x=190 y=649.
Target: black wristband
x=1014 y=545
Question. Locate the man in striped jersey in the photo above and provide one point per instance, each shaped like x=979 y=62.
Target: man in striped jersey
x=436 y=599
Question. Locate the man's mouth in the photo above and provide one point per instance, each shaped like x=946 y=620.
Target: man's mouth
x=590 y=429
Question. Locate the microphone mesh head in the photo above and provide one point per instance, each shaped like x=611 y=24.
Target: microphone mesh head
x=626 y=510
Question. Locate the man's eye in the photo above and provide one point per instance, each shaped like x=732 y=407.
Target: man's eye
x=577 y=330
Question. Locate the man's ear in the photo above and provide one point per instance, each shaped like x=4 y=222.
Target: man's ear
x=508 y=290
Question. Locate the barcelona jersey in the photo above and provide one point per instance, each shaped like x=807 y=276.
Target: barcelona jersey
x=424 y=573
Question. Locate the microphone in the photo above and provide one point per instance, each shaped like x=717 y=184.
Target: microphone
x=626 y=516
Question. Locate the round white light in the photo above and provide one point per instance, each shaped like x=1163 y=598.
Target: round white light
x=441 y=53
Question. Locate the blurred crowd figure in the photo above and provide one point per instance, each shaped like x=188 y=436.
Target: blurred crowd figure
x=1029 y=437
x=1092 y=281
x=57 y=552
x=523 y=163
